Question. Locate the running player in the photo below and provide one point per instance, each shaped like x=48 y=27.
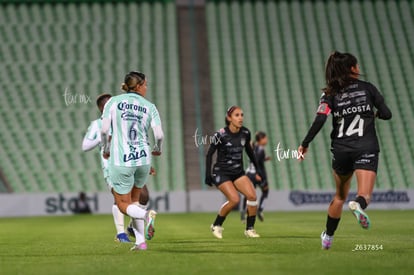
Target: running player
x=259 y=152
x=129 y=117
x=354 y=143
x=91 y=140
x=228 y=174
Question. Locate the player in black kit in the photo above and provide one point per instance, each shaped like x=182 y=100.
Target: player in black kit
x=354 y=142
x=251 y=172
x=228 y=173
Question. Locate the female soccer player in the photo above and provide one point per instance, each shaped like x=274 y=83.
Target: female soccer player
x=228 y=173
x=354 y=143
x=91 y=140
x=130 y=116
x=259 y=152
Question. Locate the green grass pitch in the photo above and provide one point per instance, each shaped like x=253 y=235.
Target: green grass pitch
x=183 y=244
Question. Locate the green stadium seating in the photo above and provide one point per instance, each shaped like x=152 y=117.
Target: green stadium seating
x=268 y=57
x=85 y=49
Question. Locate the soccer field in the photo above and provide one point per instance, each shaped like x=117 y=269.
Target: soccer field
x=183 y=244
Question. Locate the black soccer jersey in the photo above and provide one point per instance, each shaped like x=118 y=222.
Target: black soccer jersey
x=229 y=147
x=353 y=111
x=260 y=154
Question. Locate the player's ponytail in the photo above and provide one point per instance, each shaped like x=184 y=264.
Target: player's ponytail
x=124 y=87
x=132 y=79
x=338 y=72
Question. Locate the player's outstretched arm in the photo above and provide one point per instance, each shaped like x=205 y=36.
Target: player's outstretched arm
x=92 y=137
x=159 y=136
x=383 y=112
x=317 y=125
x=209 y=160
x=106 y=124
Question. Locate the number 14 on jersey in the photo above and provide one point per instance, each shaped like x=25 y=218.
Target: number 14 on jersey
x=355 y=127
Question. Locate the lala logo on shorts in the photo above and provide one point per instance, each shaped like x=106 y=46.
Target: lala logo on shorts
x=134 y=155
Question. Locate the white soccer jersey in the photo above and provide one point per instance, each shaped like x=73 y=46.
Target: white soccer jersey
x=131 y=117
x=94 y=136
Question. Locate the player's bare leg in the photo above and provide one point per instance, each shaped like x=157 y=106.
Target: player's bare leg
x=119 y=223
x=366 y=180
x=245 y=186
x=233 y=199
x=343 y=183
x=142 y=200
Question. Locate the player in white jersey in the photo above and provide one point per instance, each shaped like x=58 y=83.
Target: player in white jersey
x=91 y=140
x=129 y=117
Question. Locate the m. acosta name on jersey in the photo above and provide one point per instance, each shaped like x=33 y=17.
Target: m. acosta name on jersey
x=353 y=110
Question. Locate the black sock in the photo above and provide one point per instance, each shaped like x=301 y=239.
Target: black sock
x=362 y=202
x=331 y=225
x=265 y=193
x=260 y=208
x=250 y=222
x=219 y=220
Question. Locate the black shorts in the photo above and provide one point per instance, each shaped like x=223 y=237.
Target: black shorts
x=220 y=177
x=255 y=182
x=345 y=163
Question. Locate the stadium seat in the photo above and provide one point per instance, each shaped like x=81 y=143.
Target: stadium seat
x=268 y=57
x=84 y=49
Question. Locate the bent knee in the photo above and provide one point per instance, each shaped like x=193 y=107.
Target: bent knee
x=251 y=197
x=339 y=199
x=234 y=200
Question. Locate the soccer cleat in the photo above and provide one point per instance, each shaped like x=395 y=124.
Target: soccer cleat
x=130 y=230
x=360 y=215
x=122 y=238
x=251 y=233
x=141 y=246
x=217 y=231
x=326 y=240
x=260 y=216
x=149 y=228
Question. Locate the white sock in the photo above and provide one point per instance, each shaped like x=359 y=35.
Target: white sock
x=138 y=226
x=118 y=219
x=135 y=211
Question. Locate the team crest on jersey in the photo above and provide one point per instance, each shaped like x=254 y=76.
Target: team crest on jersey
x=243 y=141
